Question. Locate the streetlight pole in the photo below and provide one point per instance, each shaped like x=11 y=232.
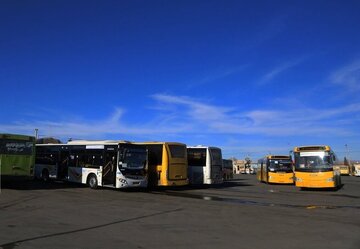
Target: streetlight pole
x=36 y=133
x=348 y=159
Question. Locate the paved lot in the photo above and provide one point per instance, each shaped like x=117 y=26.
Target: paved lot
x=242 y=213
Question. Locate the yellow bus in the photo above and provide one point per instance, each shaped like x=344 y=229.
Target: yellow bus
x=167 y=165
x=344 y=169
x=314 y=167
x=275 y=169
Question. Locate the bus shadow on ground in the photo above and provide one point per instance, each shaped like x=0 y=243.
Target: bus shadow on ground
x=226 y=184
x=39 y=185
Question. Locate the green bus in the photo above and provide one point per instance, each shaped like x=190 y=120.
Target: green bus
x=17 y=156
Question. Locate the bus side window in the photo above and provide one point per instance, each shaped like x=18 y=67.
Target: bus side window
x=93 y=158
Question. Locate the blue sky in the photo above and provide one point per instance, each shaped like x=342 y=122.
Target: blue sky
x=252 y=77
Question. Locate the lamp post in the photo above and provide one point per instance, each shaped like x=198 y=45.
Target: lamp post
x=36 y=133
x=348 y=159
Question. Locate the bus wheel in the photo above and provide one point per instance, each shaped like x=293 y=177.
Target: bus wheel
x=45 y=175
x=92 y=181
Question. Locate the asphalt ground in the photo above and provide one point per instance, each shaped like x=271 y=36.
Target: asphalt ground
x=241 y=213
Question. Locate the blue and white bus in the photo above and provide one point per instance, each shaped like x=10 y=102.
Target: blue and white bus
x=106 y=163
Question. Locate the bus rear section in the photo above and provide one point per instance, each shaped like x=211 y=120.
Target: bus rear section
x=314 y=167
x=356 y=169
x=205 y=165
x=17 y=156
x=228 y=169
x=167 y=165
x=344 y=169
x=276 y=169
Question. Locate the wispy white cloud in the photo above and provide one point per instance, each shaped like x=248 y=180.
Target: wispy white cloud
x=186 y=116
x=216 y=75
x=215 y=119
x=348 y=76
x=196 y=109
x=84 y=128
x=280 y=69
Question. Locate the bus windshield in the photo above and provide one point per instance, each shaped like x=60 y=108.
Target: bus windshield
x=312 y=160
x=280 y=165
x=134 y=159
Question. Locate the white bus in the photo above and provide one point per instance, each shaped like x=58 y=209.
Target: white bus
x=106 y=163
x=205 y=165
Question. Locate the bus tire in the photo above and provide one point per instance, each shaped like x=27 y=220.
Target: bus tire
x=45 y=175
x=92 y=181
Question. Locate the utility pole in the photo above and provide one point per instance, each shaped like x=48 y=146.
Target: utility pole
x=349 y=160
x=36 y=133
x=347 y=153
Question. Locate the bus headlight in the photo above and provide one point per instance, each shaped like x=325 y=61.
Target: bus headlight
x=330 y=179
x=272 y=170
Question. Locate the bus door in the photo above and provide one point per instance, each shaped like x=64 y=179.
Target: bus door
x=262 y=172
x=63 y=163
x=266 y=171
x=155 y=152
x=110 y=165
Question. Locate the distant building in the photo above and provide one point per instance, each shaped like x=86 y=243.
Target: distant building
x=239 y=166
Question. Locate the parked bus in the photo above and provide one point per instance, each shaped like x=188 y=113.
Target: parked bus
x=314 y=167
x=111 y=164
x=356 y=169
x=345 y=170
x=17 y=156
x=205 y=165
x=228 y=169
x=167 y=163
x=275 y=169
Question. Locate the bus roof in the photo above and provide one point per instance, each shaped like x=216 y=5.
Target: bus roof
x=16 y=137
x=88 y=142
x=157 y=142
x=76 y=142
x=312 y=148
x=278 y=157
x=202 y=147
